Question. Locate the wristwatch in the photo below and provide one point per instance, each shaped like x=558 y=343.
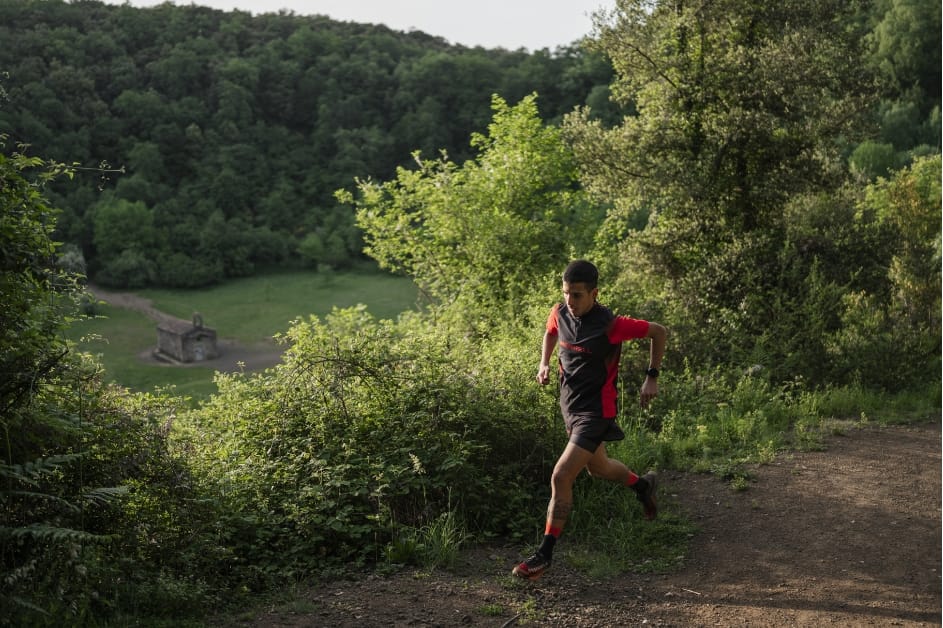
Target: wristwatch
x=652 y=372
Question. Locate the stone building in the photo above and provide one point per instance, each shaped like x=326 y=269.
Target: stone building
x=184 y=341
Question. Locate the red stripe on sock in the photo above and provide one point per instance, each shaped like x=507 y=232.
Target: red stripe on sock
x=555 y=532
x=631 y=480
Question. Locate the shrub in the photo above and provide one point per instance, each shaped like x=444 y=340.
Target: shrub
x=91 y=499
x=369 y=428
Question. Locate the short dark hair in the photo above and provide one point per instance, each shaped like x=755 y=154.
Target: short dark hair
x=581 y=271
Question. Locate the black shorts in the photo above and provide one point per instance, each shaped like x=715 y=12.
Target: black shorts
x=588 y=431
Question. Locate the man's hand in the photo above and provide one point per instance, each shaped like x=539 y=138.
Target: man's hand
x=543 y=374
x=649 y=390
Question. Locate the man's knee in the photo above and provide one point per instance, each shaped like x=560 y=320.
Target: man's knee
x=562 y=478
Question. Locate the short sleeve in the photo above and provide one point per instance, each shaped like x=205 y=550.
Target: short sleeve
x=552 y=327
x=624 y=328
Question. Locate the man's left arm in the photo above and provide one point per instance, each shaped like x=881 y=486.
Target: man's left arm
x=659 y=337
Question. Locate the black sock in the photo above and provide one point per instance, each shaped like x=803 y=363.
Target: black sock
x=546 y=548
x=640 y=486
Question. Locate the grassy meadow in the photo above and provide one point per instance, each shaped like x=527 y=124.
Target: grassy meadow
x=255 y=308
x=249 y=310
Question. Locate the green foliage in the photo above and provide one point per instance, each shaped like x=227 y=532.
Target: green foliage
x=905 y=44
x=734 y=158
x=724 y=421
x=436 y=544
x=367 y=430
x=607 y=536
x=903 y=317
x=734 y=113
x=379 y=441
x=872 y=159
x=236 y=129
x=485 y=232
x=90 y=495
x=312 y=249
x=904 y=52
x=119 y=225
x=30 y=281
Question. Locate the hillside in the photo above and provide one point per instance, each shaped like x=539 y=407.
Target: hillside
x=210 y=143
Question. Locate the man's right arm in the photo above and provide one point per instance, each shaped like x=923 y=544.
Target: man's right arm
x=543 y=371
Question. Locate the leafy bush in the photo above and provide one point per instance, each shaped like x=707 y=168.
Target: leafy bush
x=903 y=316
x=91 y=499
x=366 y=428
x=130 y=269
x=480 y=234
x=871 y=160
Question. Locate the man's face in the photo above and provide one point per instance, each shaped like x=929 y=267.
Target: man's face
x=579 y=298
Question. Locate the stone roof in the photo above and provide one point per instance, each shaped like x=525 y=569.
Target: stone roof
x=182 y=328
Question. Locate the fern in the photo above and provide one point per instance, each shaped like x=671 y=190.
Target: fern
x=20 y=602
x=105 y=496
x=21 y=573
x=47 y=465
x=52 y=534
x=65 y=504
x=30 y=472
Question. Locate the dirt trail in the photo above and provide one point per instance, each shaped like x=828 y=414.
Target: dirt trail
x=850 y=536
x=131 y=301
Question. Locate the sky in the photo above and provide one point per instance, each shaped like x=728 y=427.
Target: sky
x=511 y=24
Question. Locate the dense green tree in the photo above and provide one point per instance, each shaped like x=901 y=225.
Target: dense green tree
x=739 y=109
x=264 y=117
x=871 y=159
x=905 y=53
x=910 y=204
x=120 y=225
x=311 y=249
x=30 y=282
x=481 y=234
x=906 y=49
x=899 y=312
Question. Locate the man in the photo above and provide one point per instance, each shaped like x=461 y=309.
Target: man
x=590 y=340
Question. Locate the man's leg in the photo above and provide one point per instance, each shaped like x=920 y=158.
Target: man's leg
x=573 y=460
x=602 y=466
x=606 y=468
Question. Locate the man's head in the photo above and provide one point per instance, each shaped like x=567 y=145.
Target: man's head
x=579 y=287
x=581 y=271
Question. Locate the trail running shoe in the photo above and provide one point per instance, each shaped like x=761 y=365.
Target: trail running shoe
x=533 y=567
x=646 y=495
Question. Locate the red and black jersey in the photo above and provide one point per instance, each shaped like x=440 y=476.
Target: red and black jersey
x=588 y=350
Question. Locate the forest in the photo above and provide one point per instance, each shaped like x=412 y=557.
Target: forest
x=764 y=179
x=225 y=135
